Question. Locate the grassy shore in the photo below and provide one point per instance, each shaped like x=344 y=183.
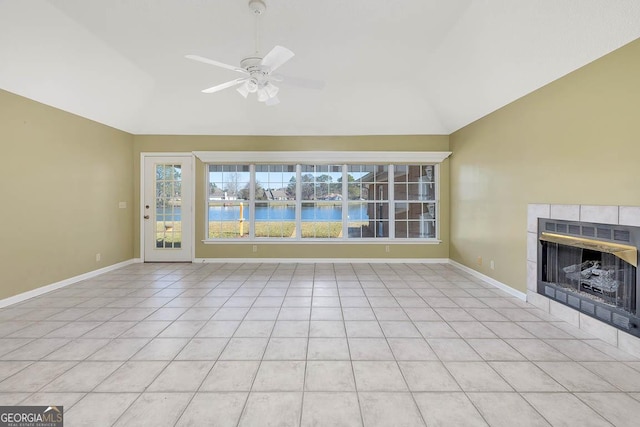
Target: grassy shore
x=231 y=230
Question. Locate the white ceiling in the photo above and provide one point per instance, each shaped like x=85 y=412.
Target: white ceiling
x=390 y=66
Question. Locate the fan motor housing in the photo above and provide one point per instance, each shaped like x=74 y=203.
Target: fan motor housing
x=252 y=64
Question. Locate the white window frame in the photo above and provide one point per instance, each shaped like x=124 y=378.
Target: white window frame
x=342 y=158
x=252 y=235
x=435 y=201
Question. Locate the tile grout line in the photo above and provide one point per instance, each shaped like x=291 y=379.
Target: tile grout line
x=413 y=398
x=194 y=393
x=306 y=359
x=483 y=360
x=462 y=390
x=580 y=399
x=246 y=402
x=151 y=382
x=353 y=371
x=168 y=363
x=66 y=371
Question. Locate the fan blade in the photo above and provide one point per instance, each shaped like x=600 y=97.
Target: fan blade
x=278 y=56
x=225 y=85
x=216 y=63
x=299 y=82
x=272 y=101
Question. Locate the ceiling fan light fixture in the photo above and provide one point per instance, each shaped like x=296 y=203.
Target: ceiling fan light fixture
x=263 y=95
x=252 y=85
x=272 y=90
x=272 y=101
x=243 y=90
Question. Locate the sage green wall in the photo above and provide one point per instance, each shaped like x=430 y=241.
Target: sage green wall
x=574 y=141
x=61 y=179
x=164 y=143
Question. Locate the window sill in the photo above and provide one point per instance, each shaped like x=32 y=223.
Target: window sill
x=267 y=241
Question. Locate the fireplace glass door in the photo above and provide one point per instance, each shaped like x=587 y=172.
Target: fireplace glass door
x=601 y=276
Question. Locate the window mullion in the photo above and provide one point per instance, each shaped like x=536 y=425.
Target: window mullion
x=298 y=202
x=252 y=199
x=436 y=179
x=392 y=206
x=207 y=186
x=345 y=203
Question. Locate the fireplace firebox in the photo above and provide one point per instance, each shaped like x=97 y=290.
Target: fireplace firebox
x=592 y=268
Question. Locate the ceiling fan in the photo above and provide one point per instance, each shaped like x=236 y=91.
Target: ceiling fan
x=257 y=71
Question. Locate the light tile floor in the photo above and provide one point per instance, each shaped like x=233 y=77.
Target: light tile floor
x=307 y=344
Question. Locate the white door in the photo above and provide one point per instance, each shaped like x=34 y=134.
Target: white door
x=167 y=208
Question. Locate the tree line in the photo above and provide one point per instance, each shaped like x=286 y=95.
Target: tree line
x=312 y=187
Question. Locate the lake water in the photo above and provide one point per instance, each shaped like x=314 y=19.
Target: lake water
x=275 y=213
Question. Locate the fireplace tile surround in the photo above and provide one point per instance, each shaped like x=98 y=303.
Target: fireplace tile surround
x=617 y=215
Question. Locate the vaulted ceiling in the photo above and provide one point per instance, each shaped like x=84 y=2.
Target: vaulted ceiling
x=389 y=67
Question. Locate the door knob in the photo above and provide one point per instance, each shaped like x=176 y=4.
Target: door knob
x=146 y=217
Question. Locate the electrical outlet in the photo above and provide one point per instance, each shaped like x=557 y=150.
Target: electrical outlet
x=98 y=257
x=493 y=265
x=386 y=249
x=479 y=260
x=255 y=248
x=122 y=205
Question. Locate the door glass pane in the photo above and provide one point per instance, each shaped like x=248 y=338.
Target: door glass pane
x=168 y=206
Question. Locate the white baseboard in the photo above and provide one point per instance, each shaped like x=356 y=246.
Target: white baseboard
x=324 y=260
x=508 y=289
x=66 y=282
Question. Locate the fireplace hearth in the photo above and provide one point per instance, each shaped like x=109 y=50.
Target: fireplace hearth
x=591 y=268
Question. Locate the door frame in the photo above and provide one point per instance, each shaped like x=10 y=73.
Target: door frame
x=189 y=159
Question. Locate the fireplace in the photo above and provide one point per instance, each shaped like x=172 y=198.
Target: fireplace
x=592 y=268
